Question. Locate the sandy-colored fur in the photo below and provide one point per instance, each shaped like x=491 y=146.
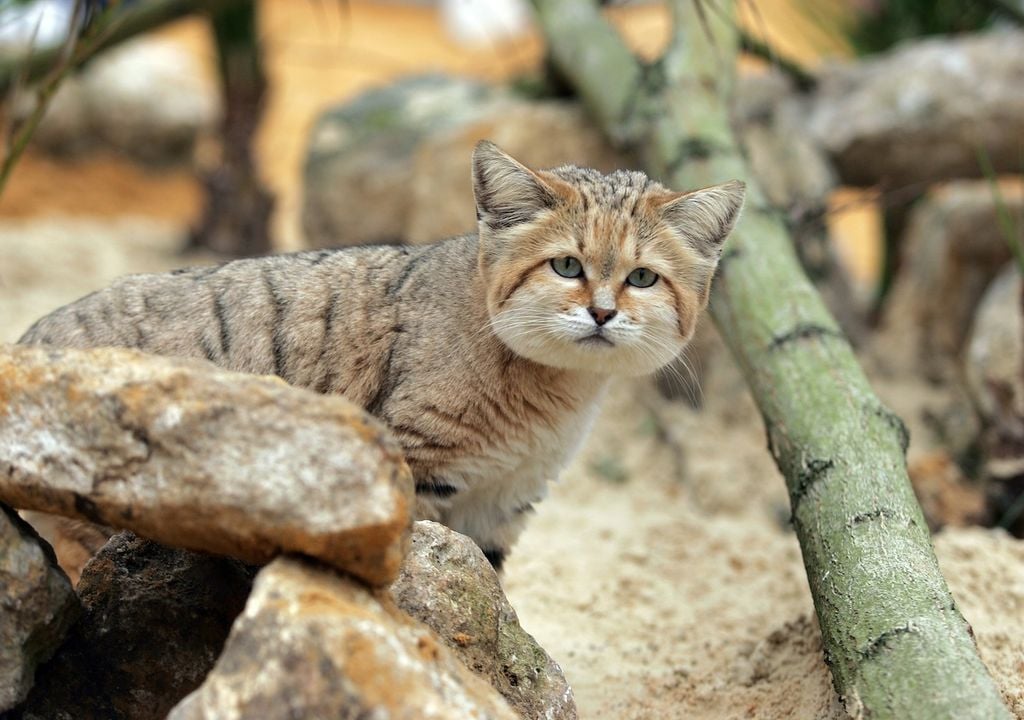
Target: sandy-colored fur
x=472 y=350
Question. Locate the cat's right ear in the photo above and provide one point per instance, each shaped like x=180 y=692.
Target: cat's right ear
x=507 y=192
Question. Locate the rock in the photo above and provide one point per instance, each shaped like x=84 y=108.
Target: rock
x=995 y=373
x=447 y=584
x=541 y=134
x=360 y=156
x=953 y=248
x=314 y=644
x=189 y=455
x=921 y=112
x=405 y=151
x=798 y=179
x=146 y=98
x=37 y=606
x=155 y=621
x=793 y=169
x=947 y=497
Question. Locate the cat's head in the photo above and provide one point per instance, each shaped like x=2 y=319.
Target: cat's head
x=606 y=273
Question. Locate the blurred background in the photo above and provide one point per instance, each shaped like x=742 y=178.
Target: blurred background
x=142 y=136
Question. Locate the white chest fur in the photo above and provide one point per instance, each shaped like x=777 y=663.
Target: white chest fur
x=501 y=482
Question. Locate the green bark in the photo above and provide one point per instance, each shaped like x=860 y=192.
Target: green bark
x=894 y=639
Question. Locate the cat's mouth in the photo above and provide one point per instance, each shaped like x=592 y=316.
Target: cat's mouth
x=596 y=338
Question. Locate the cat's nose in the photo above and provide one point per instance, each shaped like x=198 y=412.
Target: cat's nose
x=602 y=315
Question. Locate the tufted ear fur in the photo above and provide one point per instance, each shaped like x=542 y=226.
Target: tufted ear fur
x=507 y=192
x=704 y=218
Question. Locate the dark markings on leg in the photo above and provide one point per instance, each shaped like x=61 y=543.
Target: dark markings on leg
x=525 y=508
x=495 y=557
x=803 y=331
x=458 y=420
x=812 y=471
x=220 y=311
x=422 y=440
x=277 y=339
x=435 y=487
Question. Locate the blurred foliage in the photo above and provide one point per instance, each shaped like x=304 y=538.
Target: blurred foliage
x=879 y=24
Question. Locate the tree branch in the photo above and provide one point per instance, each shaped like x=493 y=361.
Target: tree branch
x=133 y=20
x=894 y=639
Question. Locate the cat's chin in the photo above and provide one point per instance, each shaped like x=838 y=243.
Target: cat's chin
x=598 y=356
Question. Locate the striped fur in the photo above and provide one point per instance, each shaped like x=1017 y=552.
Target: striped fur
x=455 y=345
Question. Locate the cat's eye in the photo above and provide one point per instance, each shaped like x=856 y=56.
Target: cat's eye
x=567 y=267
x=642 y=278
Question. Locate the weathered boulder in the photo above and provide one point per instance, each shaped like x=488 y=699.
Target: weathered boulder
x=148 y=99
x=314 y=644
x=191 y=456
x=405 y=149
x=793 y=169
x=995 y=373
x=541 y=134
x=37 y=606
x=360 y=156
x=947 y=497
x=953 y=248
x=447 y=584
x=155 y=621
x=923 y=111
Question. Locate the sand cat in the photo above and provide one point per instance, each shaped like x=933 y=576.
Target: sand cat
x=485 y=354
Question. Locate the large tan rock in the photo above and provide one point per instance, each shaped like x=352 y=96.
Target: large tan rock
x=155 y=620
x=921 y=112
x=953 y=248
x=313 y=644
x=447 y=584
x=37 y=605
x=192 y=456
x=541 y=134
x=404 y=150
x=994 y=367
x=149 y=99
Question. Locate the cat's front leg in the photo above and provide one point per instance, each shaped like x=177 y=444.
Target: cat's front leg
x=494 y=531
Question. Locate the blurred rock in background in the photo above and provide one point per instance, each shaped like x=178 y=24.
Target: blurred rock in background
x=148 y=99
x=404 y=150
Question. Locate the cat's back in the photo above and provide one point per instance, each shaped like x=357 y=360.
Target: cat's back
x=270 y=315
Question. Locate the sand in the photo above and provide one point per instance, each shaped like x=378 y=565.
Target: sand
x=661 y=572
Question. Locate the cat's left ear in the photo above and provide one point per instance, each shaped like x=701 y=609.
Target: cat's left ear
x=704 y=218
x=507 y=192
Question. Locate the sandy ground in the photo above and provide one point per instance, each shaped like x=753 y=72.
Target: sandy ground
x=661 y=572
